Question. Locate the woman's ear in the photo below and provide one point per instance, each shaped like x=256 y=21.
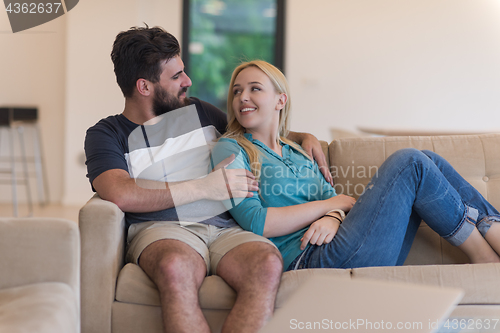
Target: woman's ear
x=281 y=101
x=143 y=87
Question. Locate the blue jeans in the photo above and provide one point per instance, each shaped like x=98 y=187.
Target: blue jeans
x=411 y=185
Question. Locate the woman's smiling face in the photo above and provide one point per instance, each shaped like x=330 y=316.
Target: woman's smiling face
x=256 y=104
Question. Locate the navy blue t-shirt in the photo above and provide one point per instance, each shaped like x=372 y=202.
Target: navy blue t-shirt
x=107 y=148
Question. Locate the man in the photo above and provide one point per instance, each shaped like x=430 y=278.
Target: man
x=177 y=255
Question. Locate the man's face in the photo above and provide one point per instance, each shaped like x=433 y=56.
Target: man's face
x=170 y=91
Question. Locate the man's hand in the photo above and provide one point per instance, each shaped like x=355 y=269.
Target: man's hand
x=320 y=232
x=312 y=147
x=223 y=183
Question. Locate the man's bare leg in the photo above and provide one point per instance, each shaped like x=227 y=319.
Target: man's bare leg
x=178 y=272
x=253 y=270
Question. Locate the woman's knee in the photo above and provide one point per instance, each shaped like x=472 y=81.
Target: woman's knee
x=407 y=155
x=430 y=154
x=402 y=159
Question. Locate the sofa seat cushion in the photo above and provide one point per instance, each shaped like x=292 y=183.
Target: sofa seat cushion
x=479 y=281
x=49 y=307
x=135 y=287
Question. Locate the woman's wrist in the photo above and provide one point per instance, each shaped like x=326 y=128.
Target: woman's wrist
x=339 y=211
x=335 y=216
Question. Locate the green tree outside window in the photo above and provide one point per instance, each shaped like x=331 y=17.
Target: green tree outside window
x=222 y=34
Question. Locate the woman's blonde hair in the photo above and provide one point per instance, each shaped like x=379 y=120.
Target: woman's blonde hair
x=235 y=130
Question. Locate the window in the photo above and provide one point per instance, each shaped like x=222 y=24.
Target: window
x=219 y=34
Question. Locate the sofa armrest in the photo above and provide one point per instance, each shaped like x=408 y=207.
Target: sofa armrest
x=35 y=250
x=102 y=229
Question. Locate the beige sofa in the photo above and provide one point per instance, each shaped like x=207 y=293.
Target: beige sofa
x=39 y=275
x=121 y=298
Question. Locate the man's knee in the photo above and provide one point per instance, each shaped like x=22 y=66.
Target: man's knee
x=270 y=263
x=264 y=270
x=174 y=266
x=253 y=260
x=273 y=259
x=165 y=263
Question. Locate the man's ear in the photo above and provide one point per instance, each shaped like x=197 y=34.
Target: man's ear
x=281 y=101
x=144 y=87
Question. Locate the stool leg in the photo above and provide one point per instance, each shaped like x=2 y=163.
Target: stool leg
x=41 y=177
x=20 y=132
x=13 y=171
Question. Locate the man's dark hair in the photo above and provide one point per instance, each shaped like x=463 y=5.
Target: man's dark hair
x=138 y=53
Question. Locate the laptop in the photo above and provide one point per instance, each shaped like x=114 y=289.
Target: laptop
x=331 y=304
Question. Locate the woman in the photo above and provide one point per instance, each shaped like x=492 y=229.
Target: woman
x=301 y=213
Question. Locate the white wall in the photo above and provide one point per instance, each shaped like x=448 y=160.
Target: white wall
x=424 y=64
x=92 y=92
x=32 y=73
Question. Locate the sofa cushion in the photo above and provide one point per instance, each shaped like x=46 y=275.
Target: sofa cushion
x=354 y=161
x=43 y=308
x=479 y=281
x=39 y=250
x=134 y=286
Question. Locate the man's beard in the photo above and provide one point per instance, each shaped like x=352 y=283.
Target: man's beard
x=164 y=102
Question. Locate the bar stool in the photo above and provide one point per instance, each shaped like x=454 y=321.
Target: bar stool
x=12 y=121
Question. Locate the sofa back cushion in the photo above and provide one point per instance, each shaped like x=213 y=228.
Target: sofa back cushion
x=476 y=157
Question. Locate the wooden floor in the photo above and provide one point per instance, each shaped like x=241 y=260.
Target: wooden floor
x=49 y=210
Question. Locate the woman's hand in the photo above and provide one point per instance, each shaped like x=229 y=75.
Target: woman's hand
x=340 y=201
x=320 y=232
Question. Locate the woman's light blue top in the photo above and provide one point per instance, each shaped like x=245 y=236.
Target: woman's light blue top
x=284 y=181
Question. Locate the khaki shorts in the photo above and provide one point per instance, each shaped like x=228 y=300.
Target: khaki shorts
x=211 y=242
